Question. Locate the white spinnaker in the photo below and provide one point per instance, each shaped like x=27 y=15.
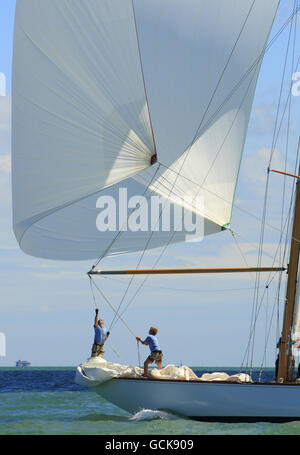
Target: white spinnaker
x=81 y=120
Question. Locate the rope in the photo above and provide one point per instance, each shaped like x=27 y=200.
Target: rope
x=166 y=288
x=115 y=352
x=139 y=355
x=115 y=311
x=91 y=285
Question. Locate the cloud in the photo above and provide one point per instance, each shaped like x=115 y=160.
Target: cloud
x=58 y=275
x=264 y=118
x=5 y=164
x=5 y=156
x=255 y=166
x=5 y=124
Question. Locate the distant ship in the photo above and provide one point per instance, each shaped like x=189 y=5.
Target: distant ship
x=22 y=363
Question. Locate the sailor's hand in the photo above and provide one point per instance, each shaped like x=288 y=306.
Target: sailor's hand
x=107 y=334
x=138 y=338
x=97 y=311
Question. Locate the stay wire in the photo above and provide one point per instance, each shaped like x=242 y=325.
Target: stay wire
x=114 y=310
x=261 y=243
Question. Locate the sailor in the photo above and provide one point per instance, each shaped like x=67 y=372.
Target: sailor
x=101 y=335
x=155 y=351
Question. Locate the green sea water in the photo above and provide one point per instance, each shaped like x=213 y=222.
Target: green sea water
x=48 y=402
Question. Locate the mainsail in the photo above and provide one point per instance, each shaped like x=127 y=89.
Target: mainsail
x=100 y=87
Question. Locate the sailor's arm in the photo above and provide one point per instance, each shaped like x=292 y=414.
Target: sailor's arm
x=96 y=318
x=142 y=341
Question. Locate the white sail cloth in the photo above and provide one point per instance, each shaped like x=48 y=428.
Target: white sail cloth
x=97 y=371
x=101 y=86
x=296 y=316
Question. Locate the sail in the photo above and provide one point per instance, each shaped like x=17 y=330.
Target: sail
x=296 y=316
x=100 y=87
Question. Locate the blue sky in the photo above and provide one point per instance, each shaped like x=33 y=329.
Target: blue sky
x=47 y=309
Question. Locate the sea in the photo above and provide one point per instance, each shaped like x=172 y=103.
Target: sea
x=46 y=401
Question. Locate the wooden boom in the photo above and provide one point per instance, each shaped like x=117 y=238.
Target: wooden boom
x=187 y=270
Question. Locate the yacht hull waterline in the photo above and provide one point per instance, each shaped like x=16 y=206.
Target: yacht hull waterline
x=205 y=401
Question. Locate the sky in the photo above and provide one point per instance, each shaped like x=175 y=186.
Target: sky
x=46 y=307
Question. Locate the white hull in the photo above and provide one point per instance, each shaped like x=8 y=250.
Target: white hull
x=210 y=401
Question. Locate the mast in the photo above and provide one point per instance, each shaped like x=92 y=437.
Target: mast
x=285 y=365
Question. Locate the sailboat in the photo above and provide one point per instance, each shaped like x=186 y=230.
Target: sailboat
x=153 y=98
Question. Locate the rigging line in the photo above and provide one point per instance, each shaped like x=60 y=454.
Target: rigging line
x=133 y=277
x=260 y=254
x=280 y=92
x=225 y=200
x=143 y=76
x=91 y=285
x=285 y=250
x=286 y=241
x=128 y=216
x=190 y=204
x=215 y=90
x=222 y=74
x=112 y=307
x=251 y=330
x=289 y=117
x=267 y=339
x=165 y=288
x=286 y=104
x=240 y=251
x=269 y=280
x=254 y=246
x=250 y=69
x=221 y=147
x=146 y=278
x=270 y=325
x=94 y=299
x=228 y=132
x=116 y=353
x=224 y=140
x=201 y=185
x=138 y=350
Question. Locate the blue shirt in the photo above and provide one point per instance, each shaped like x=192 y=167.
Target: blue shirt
x=153 y=343
x=100 y=334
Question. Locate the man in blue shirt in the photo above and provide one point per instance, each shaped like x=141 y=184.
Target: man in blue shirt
x=101 y=335
x=155 y=351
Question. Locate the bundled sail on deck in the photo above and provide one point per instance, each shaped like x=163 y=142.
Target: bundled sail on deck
x=102 y=87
